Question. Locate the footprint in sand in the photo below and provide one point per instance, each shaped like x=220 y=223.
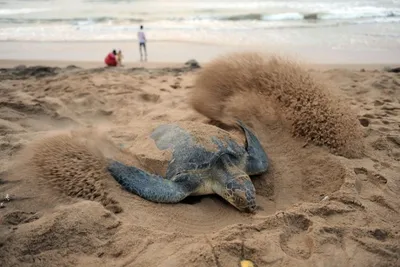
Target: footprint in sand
x=154 y=98
x=394 y=139
x=330 y=235
x=382 y=241
x=367 y=175
x=294 y=240
x=369 y=183
x=19 y=217
x=375 y=119
x=175 y=86
x=390 y=109
x=389 y=144
x=364 y=122
x=381 y=144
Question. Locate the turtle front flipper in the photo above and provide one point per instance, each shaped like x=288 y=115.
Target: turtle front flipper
x=151 y=187
x=257 y=161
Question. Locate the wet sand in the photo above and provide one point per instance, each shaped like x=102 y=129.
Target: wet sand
x=178 y=52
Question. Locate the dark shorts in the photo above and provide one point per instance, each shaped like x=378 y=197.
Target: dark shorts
x=142 y=44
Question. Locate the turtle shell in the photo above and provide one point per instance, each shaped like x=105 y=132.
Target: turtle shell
x=173 y=148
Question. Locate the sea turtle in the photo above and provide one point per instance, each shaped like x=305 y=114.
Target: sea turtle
x=200 y=165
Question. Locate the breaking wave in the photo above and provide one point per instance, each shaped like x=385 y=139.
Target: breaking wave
x=18 y=11
x=333 y=15
x=345 y=14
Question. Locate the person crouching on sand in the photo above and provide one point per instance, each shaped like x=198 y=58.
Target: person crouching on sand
x=119 y=58
x=111 y=59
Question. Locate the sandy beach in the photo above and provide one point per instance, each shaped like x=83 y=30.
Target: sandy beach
x=317 y=207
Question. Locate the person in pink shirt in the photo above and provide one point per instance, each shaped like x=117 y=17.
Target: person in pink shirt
x=111 y=59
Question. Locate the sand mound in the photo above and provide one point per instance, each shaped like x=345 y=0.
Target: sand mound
x=81 y=229
x=241 y=85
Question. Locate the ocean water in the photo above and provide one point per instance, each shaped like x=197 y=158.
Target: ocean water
x=339 y=24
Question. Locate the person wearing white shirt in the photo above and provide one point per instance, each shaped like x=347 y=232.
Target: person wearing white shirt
x=142 y=43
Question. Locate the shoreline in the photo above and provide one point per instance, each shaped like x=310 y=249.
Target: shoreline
x=9 y=64
x=172 y=52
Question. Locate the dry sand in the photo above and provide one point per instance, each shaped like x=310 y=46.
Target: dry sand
x=317 y=208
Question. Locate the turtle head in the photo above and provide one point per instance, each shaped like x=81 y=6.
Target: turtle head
x=240 y=192
x=233 y=183
x=236 y=187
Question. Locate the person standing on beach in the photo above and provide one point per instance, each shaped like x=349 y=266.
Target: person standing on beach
x=142 y=43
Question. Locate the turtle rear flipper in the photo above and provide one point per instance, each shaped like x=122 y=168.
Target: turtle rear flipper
x=257 y=161
x=151 y=187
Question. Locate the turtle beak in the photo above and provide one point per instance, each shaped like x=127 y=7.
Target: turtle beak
x=243 y=203
x=251 y=208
